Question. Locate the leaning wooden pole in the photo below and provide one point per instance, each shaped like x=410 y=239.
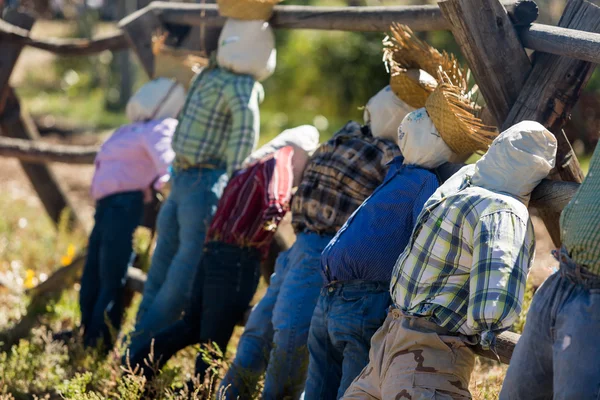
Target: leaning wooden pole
x=16 y=123
x=523 y=90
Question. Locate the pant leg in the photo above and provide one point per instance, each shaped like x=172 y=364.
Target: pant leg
x=425 y=365
x=367 y=385
x=167 y=242
x=530 y=372
x=182 y=333
x=576 y=352
x=353 y=324
x=288 y=362
x=255 y=343
x=90 y=279
x=122 y=215
x=231 y=278
x=165 y=345
x=325 y=361
x=197 y=193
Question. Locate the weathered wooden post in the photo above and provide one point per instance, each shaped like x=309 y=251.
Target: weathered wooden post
x=512 y=89
x=14 y=122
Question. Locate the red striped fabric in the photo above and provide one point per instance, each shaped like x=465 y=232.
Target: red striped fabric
x=254 y=202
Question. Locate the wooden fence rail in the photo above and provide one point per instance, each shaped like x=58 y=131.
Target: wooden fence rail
x=549 y=39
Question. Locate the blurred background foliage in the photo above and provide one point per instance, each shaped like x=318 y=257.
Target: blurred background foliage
x=322 y=78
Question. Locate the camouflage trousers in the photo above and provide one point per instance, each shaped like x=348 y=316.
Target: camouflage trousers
x=409 y=360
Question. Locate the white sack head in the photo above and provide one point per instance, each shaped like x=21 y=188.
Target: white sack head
x=248 y=48
x=384 y=112
x=304 y=139
x=420 y=142
x=158 y=99
x=518 y=159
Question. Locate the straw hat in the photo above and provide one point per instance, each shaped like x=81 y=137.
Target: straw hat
x=247 y=9
x=178 y=64
x=457 y=120
x=413 y=66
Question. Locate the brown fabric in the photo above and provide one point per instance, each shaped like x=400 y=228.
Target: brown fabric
x=409 y=362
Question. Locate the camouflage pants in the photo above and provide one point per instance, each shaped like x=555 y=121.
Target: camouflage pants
x=409 y=361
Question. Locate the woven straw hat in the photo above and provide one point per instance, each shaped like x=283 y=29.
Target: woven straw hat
x=457 y=120
x=413 y=64
x=247 y=9
x=178 y=64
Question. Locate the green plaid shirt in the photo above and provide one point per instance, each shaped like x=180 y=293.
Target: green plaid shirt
x=580 y=220
x=220 y=120
x=466 y=264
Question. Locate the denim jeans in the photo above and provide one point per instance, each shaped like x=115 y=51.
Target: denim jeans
x=557 y=355
x=347 y=315
x=277 y=331
x=224 y=285
x=109 y=250
x=181 y=228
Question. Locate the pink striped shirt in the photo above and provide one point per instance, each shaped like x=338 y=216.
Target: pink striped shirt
x=133 y=157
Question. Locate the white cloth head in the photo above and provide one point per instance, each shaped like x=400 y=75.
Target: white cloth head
x=247 y=47
x=158 y=99
x=420 y=142
x=304 y=138
x=384 y=112
x=518 y=159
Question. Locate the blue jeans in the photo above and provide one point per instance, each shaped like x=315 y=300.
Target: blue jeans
x=277 y=330
x=557 y=355
x=224 y=285
x=346 y=317
x=181 y=228
x=109 y=250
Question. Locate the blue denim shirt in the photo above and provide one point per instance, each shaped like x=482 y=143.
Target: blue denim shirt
x=372 y=239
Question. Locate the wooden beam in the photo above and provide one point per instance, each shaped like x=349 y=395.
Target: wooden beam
x=40 y=153
x=11 y=51
x=551 y=91
x=488 y=39
x=505 y=346
x=356 y=19
x=16 y=123
x=563 y=42
x=138 y=28
x=64 y=47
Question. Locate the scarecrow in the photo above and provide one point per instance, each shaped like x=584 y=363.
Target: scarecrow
x=131 y=164
x=342 y=173
x=461 y=279
x=253 y=204
x=218 y=128
x=557 y=354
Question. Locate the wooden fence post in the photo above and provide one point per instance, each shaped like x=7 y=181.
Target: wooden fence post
x=552 y=85
x=14 y=122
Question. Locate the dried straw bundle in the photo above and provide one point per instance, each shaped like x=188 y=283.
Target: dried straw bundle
x=404 y=52
x=247 y=9
x=457 y=120
x=179 y=64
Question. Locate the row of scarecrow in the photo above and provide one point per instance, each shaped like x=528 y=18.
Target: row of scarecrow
x=372 y=219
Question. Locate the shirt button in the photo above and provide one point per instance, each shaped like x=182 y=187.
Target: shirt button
x=330 y=290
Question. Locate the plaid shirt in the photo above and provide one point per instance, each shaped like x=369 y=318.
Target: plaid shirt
x=254 y=203
x=341 y=174
x=466 y=264
x=220 y=120
x=580 y=220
